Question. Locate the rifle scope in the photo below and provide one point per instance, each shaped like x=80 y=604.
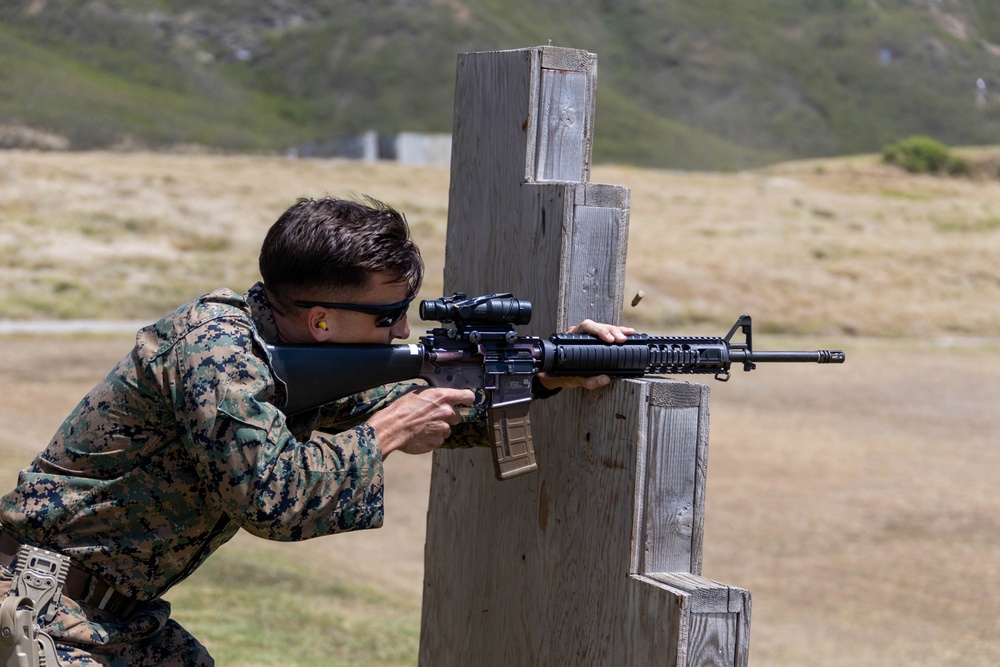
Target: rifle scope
x=489 y=309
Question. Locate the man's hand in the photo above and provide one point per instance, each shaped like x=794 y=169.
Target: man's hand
x=419 y=421
x=609 y=333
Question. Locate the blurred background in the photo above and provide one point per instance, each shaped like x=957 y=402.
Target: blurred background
x=829 y=166
x=707 y=85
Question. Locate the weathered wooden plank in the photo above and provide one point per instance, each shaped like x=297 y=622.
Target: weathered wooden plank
x=715 y=625
x=674 y=504
x=712 y=639
x=593 y=280
x=670 y=481
x=533 y=569
x=504 y=561
x=502 y=237
x=688 y=395
x=603 y=195
x=658 y=617
x=543 y=568
x=574 y=60
x=491 y=132
x=542 y=557
x=562 y=109
x=707 y=596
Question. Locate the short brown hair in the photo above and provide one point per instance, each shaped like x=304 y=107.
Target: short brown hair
x=319 y=245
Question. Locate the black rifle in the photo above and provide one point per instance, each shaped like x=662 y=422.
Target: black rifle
x=479 y=349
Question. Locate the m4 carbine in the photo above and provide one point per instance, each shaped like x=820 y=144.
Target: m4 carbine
x=478 y=348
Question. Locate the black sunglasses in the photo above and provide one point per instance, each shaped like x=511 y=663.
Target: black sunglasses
x=388 y=314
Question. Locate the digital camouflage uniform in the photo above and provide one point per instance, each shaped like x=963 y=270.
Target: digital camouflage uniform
x=179 y=447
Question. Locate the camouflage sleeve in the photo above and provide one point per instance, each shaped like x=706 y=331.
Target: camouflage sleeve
x=271 y=484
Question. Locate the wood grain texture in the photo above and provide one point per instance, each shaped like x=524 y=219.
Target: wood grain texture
x=537 y=569
x=676 y=474
x=715 y=623
x=566 y=61
x=501 y=236
x=574 y=60
x=594 y=272
x=551 y=568
x=671 y=478
x=560 y=146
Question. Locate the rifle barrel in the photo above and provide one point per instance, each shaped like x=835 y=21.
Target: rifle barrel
x=815 y=356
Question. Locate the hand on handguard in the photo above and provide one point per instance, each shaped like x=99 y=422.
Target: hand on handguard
x=610 y=334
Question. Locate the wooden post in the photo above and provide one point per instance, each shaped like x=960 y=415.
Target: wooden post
x=595 y=559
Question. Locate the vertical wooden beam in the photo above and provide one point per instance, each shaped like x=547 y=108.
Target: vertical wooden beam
x=673 y=487
x=556 y=567
x=560 y=145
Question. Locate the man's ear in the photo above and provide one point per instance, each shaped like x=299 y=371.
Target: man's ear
x=319 y=327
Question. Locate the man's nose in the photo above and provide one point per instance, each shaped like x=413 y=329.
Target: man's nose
x=401 y=328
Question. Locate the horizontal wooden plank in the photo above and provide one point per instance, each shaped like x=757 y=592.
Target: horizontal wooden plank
x=674 y=394
x=573 y=60
x=603 y=195
x=707 y=596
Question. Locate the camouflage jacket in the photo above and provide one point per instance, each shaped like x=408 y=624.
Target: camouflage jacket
x=182 y=444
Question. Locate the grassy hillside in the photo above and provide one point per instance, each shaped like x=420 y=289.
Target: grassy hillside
x=117 y=94
x=713 y=84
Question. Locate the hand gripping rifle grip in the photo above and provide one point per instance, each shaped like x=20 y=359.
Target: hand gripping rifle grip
x=513 y=453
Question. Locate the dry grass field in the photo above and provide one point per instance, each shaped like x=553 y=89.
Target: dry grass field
x=858 y=503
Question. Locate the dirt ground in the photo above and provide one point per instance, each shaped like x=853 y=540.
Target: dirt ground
x=857 y=503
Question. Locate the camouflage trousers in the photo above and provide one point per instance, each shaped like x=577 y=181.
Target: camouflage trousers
x=89 y=637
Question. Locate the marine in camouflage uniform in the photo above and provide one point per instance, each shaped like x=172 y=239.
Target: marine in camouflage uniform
x=183 y=443
x=179 y=447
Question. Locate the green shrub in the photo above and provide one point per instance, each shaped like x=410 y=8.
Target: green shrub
x=923 y=155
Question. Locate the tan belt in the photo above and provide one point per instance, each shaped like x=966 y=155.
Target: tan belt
x=80 y=585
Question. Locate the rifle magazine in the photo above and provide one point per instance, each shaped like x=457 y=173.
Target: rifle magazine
x=513 y=452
